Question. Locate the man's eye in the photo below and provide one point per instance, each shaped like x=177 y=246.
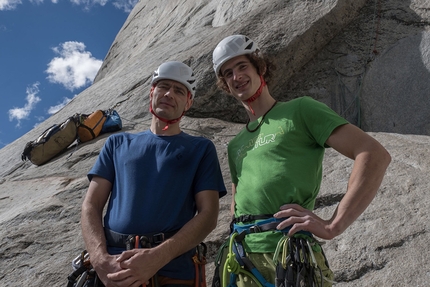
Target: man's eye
x=179 y=91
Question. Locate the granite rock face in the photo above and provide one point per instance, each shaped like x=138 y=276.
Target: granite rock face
x=368 y=60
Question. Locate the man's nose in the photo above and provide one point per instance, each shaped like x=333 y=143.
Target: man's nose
x=169 y=92
x=237 y=75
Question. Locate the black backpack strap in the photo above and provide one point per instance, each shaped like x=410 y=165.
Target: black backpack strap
x=93 y=135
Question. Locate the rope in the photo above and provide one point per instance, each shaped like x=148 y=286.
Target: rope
x=232 y=266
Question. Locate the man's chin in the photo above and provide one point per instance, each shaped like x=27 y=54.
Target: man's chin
x=243 y=97
x=166 y=115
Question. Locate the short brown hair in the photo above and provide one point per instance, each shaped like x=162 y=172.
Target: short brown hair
x=260 y=62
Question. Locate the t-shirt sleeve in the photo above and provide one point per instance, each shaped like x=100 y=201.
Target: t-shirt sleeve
x=209 y=176
x=104 y=165
x=320 y=120
x=232 y=166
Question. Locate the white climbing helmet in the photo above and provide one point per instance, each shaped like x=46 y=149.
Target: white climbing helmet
x=231 y=47
x=176 y=71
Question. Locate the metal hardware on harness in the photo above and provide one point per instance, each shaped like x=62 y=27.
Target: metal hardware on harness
x=199 y=260
x=83 y=274
x=132 y=242
x=201 y=249
x=158 y=238
x=298 y=265
x=254 y=229
x=237 y=261
x=250 y=217
x=128 y=241
x=247 y=218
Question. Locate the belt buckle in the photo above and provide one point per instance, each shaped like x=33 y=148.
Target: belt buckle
x=158 y=238
x=254 y=229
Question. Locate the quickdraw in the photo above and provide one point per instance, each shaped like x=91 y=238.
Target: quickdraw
x=297 y=265
x=83 y=275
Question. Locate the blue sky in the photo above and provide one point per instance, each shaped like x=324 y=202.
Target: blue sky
x=50 y=51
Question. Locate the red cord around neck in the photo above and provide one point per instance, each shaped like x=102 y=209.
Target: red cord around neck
x=256 y=95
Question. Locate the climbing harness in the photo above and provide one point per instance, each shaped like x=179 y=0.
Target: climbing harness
x=294 y=258
x=140 y=241
x=84 y=274
x=132 y=241
x=129 y=241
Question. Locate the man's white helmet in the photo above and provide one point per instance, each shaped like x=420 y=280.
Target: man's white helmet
x=176 y=71
x=231 y=47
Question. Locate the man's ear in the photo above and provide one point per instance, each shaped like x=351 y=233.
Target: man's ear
x=151 y=92
x=263 y=70
x=225 y=87
x=188 y=104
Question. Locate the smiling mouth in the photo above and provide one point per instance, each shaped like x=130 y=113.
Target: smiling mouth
x=241 y=86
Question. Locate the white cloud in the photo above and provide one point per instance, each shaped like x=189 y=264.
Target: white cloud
x=74 y=68
x=89 y=3
x=24 y=112
x=9 y=4
x=126 y=5
x=37 y=2
x=53 y=109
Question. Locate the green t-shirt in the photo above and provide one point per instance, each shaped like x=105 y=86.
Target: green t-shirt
x=281 y=162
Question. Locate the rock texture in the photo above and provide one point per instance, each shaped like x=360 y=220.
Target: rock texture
x=398 y=83
x=368 y=60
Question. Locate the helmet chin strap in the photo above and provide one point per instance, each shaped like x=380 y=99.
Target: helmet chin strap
x=256 y=95
x=168 y=122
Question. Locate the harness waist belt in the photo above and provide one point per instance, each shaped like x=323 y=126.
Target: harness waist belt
x=121 y=240
x=250 y=217
x=262 y=226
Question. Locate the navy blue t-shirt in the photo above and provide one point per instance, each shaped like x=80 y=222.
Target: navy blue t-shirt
x=154 y=180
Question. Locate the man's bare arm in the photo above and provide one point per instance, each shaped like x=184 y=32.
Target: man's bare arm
x=370 y=163
x=92 y=227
